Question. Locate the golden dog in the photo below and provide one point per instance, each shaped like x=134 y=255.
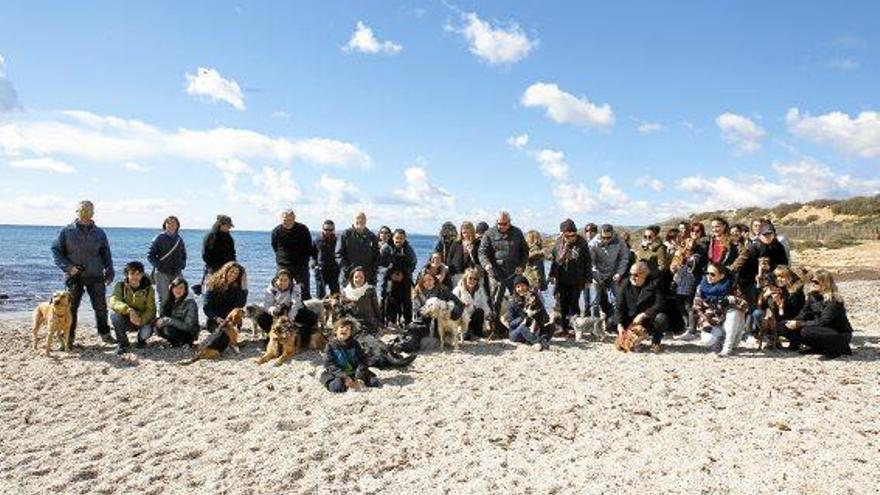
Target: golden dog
x=224 y=337
x=56 y=313
x=630 y=339
x=282 y=342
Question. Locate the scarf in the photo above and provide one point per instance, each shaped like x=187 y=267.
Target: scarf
x=712 y=293
x=355 y=294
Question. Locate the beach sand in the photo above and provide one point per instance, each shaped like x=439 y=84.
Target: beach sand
x=491 y=418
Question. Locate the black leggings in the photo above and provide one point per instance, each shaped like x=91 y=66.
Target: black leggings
x=825 y=340
x=475 y=327
x=569 y=303
x=398 y=302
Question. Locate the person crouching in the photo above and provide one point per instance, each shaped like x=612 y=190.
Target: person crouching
x=345 y=362
x=527 y=317
x=133 y=307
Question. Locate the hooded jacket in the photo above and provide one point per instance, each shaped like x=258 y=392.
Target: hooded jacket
x=274 y=298
x=84 y=246
x=821 y=313
x=655 y=255
x=610 y=259
x=756 y=250
x=344 y=359
x=392 y=258
x=184 y=316
x=142 y=299
x=503 y=252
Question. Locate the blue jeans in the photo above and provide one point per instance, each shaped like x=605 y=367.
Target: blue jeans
x=603 y=295
x=122 y=325
x=524 y=335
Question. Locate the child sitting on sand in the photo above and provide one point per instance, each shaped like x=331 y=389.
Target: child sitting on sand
x=345 y=363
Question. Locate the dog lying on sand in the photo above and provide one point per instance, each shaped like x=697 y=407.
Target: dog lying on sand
x=224 y=337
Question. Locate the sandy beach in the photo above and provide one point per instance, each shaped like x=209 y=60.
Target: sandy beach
x=491 y=418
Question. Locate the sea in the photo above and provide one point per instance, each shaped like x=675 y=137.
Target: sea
x=28 y=275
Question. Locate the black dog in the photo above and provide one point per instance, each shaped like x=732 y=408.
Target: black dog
x=380 y=355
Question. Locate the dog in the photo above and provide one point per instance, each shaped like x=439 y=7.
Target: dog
x=321 y=308
x=282 y=342
x=253 y=312
x=588 y=325
x=57 y=316
x=447 y=328
x=630 y=339
x=771 y=297
x=224 y=337
x=316 y=342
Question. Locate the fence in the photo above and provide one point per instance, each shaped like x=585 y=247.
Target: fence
x=827 y=231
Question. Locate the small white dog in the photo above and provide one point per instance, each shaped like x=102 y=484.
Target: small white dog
x=447 y=328
x=588 y=325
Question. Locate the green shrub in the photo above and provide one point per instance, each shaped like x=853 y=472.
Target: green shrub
x=811 y=218
x=783 y=209
x=841 y=239
x=861 y=206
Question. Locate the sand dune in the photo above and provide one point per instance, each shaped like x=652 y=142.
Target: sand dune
x=492 y=418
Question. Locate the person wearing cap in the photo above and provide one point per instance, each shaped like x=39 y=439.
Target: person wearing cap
x=178 y=321
x=292 y=243
x=640 y=301
x=503 y=254
x=570 y=269
x=358 y=247
x=324 y=261
x=767 y=246
x=82 y=252
x=167 y=255
x=218 y=247
x=527 y=317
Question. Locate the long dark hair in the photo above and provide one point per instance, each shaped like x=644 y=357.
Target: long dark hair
x=170 y=300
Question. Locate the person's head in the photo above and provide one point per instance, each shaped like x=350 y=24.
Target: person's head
x=756 y=226
x=399 y=238
x=716 y=272
x=606 y=233
x=436 y=259
x=344 y=329
x=625 y=236
x=281 y=280
x=358 y=277
x=427 y=281
x=223 y=223
x=471 y=279
x=520 y=286
x=134 y=273
x=481 y=229
x=85 y=211
x=360 y=221
x=467 y=232
x=384 y=233
x=229 y=275
x=171 y=225
x=767 y=233
x=568 y=230
x=719 y=226
x=448 y=232
x=533 y=238
x=503 y=221
x=673 y=235
x=288 y=218
x=822 y=283
x=328 y=229
x=786 y=277
x=638 y=273
x=735 y=233
x=697 y=230
x=651 y=234
x=590 y=231
x=178 y=288
x=683 y=226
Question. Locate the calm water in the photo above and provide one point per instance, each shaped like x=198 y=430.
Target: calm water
x=27 y=273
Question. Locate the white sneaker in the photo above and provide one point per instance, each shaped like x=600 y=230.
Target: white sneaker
x=688 y=336
x=536 y=346
x=724 y=353
x=578 y=335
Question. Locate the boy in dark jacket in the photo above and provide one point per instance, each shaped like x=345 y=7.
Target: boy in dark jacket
x=571 y=268
x=324 y=261
x=345 y=363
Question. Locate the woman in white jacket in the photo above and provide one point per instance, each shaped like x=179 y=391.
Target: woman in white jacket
x=476 y=303
x=283 y=296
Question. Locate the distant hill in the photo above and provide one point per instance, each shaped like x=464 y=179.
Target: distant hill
x=858 y=210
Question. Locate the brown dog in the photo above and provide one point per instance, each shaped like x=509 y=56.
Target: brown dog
x=225 y=336
x=630 y=339
x=282 y=342
x=772 y=297
x=56 y=313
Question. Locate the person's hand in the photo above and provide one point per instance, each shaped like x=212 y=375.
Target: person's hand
x=620 y=329
x=73 y=271
x=220 y=321
x=134 y=318
x=792 y=325
x=616 y=277
x=638 y=319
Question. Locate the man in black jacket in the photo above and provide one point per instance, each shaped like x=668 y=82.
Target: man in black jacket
x=324 y=261
x=571 y=269
x=503 y=254
x=640 y=301
x=358 y=247
x=293 y=248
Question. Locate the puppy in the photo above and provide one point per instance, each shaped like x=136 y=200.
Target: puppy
x=588 y=325
x=225 y=336
x=253 y=312
x=56 y=314
x=630 y=339
x=281 y=345
x=447 y=328
x=768 y=325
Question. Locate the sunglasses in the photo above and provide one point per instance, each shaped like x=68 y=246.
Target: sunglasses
x=502 y=224
x=635 y=275
x=648 y=237
x=814 y=281
x=767 y=234
x=606 y=237
x=712 y=274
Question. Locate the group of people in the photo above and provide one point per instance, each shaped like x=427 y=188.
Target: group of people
x=716 y=286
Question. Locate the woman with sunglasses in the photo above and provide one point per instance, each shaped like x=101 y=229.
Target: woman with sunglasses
x=822 y=326
x=571 y=269
x=720 y=310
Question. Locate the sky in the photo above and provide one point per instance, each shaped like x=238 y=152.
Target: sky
x=420 y=112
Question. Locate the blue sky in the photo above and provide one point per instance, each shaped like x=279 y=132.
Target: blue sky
x=418 y=112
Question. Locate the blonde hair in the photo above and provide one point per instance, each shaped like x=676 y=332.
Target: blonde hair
x=469 y=272
x=217 y=280
x=533 y=237
x=466 y=225
x=794 y=281
x=827 y=285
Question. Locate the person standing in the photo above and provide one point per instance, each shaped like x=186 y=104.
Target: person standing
x=571 y=270
x=610 y=257
x=293 y=248
x=324 y=261
x=503 y=254
x=82 y=252
x=358 y=247
x=167 y=255
x=218 y=247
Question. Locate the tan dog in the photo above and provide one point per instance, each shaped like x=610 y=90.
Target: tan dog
x=447 y=328
x=281 y=342
x=56 y=313
x=630 y=339
x=224 y=337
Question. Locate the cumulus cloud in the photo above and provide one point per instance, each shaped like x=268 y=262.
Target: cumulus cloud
x=650 y=182
x=552 y=164
x=233 y=166
x=858 y=136
x=497 y=45
x=44 y=163
x=364 y=41
x=8 y=95
x=337 y=191
x=209 y=83
x=741 y=132
x=565 y=108
x=518 y=142
x=277 y=189
x=420 y=191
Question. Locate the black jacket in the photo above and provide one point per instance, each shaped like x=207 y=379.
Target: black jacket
x=324 y=258
x=793 y=303
x=821 y=313
x=218 y=303
x=516 y=312
x=632 y=300
x=453 y=255
x=775 y=251
x=218 y=248
x=163 y=246
x=293 y=247
x=504 y=252
x=354 y=249
x=401 y=259
x=571 y=266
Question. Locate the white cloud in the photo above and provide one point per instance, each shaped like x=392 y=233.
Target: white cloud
x=518 y=142
x=610 y=193
x=496 y=45
x=336 y=191
x=649 y=127
x=47 y=164
x=650 y=182
x=135 y=167
x=552 y=164
x=8 y=95
x=364 y=41
x=740 y=132
x=233 y=166
x=565 y=108
x=280 y=115
x=574 y=199
x=418 y=190
x=844 y=63
x=102 y=139
x=208 y=82
x=277 y=189
x=858 y=136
